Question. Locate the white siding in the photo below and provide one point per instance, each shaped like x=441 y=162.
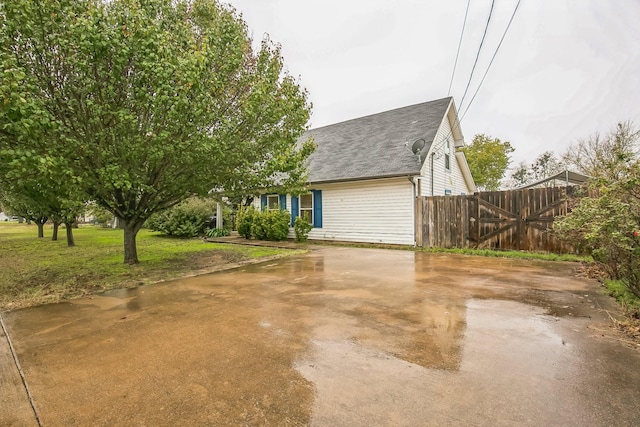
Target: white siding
x=375 y=211
x=443 y=179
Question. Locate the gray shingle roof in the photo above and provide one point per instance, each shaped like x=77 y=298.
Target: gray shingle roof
x=374 y=146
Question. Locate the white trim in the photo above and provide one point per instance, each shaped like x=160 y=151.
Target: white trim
x=268 y=206
x=466 y=172
x=306 y=209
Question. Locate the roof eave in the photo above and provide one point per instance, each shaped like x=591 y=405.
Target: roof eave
x=366 y=178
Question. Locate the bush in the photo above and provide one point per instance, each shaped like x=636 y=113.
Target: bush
x=188 y=219
x=244 y=219
x=608 y=226
x=275 y=224
x=267 y=225
x=302 y=229
x=257 y=227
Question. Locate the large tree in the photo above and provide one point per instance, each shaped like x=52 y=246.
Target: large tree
x=608 y=156
x=488 y=160
x=146 y=102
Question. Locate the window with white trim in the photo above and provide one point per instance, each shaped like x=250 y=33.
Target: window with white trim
x=447 y=158
x=273 y=202
x=306 y=207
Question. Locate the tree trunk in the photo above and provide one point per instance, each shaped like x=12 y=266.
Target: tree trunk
x=130 y=232
x=40 y=222
x=69 y=227
x=56 y=225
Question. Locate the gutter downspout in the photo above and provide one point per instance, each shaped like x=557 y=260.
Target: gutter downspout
x=432 y=156
x=412 y=180
x=417 y=210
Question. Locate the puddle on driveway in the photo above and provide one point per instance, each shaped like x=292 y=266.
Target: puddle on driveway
x=513 y=367
x=340 y=336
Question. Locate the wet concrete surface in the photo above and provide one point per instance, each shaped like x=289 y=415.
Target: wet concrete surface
x=336 y=337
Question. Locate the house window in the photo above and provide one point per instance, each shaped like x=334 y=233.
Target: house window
x=273 y=202
x=309 y=207
x=447 y=162
x=306 y=207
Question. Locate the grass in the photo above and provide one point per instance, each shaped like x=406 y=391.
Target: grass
x=629 y=301
x=512 y=254
x=543 y=256
x=37 y=271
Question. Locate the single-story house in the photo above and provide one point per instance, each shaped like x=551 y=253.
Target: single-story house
x=366 y=174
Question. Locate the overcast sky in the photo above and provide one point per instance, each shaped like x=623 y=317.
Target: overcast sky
x=567 y=68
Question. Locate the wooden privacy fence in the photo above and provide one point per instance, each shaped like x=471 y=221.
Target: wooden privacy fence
x=515 y=219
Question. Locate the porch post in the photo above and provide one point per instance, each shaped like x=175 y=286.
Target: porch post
x=219 y=215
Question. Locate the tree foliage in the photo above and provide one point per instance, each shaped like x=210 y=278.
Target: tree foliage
x=145 y=102
x=38 y=197
x=607 y=224
x=488 y=160
x=545 y=165
x=609 y=156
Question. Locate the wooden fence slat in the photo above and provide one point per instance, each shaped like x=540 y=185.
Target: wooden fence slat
x=515 y=219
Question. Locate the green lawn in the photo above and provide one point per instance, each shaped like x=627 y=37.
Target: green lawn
x=513 y=254
x=36 y=271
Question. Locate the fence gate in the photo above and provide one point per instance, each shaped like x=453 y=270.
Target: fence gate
x=515 y=219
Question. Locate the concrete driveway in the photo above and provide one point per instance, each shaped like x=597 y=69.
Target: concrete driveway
x=336 y=337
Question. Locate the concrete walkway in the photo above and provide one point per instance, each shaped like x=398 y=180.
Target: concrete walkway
x=334 y=337
x=236 y=239
x=15 y=407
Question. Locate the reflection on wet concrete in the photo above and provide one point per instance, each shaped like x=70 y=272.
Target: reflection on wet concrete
x=355 y=381
x=340 y=336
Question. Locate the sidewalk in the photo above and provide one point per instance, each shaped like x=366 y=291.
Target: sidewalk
x=236 y=239
x=15 y=408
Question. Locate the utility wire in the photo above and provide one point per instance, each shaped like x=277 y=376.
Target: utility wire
x=492 y=58
x=478 y=54
x=455 y=64
x=437 y=145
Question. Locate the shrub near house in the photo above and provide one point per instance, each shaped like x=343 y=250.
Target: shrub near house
x=188 y=219
x=267 y=225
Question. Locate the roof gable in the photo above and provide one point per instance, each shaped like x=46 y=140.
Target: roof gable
x=374 y=146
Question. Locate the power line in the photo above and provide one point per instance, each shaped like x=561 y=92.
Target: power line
x=478 y=54
x=455 y=64
x=437 y=145
x=492 y=58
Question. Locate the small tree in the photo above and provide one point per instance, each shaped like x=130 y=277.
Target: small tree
x=24 y=207
x=488 y=160
x=545 y=165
